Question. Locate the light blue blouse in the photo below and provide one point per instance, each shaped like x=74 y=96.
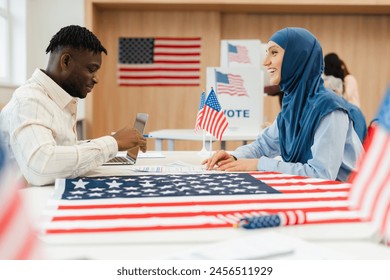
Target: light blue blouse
x=335 y=150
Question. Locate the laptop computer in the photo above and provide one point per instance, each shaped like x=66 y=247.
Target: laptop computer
x=130 y=157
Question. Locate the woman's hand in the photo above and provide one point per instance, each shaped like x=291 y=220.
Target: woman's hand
x=219 y=158
x=223 y=161
x=241 y=164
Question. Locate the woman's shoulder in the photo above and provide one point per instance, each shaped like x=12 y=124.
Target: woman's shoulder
x=350 y=79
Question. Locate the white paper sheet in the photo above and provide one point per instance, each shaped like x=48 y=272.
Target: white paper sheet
x=260 y=245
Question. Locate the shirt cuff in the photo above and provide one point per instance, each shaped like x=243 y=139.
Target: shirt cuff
x=268 y=164
x=108 y=145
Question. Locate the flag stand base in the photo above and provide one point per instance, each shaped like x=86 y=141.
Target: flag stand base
x=204 y=153
x=207 y=147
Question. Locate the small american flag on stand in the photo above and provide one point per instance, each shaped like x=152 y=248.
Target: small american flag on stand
x=200 y=111
x=159 y=61
x=238 y=54
x=231 y=84
x=213 y=119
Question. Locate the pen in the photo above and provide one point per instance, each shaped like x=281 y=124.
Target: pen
x=147 y=136
x=273 y=220
x=259 y=222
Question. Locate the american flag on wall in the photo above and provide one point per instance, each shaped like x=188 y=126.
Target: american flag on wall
x=17 y=236
x=231 y=84
x=190 y=201
x=159 y=61
x=238 y=54
x=213 y=118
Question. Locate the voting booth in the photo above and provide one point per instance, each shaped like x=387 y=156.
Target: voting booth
x=239 y=91
x=243 y=53
x=239 y=83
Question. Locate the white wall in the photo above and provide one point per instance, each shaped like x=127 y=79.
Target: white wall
x=43 y=19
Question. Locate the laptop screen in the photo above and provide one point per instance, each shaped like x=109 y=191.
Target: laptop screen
x=139 y=124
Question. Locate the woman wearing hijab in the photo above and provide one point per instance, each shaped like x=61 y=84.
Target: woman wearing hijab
x=317 y=134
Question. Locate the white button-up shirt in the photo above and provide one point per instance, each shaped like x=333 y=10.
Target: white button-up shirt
x=39 y=126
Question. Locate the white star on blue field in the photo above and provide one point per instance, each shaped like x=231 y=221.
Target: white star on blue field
x=164 y=186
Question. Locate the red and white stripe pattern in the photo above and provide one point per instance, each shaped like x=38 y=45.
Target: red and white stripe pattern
x=176 y=62
x=302 y=200
x=17 y=237
x=214 y=122
x=213 y=119
x=370 y=193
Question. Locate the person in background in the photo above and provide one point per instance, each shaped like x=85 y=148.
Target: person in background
x=39 y=122
x=317 y=134
x=335 y=67
x=335 y=84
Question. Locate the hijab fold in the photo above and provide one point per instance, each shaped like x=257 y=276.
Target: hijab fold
x=306 y=101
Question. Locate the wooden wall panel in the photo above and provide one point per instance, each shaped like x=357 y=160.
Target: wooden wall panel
x=168 y=107
x=363 y=41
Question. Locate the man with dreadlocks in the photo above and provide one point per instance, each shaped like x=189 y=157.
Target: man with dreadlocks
x=39 y=122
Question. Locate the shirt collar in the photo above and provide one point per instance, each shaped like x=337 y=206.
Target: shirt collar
x=53 y=90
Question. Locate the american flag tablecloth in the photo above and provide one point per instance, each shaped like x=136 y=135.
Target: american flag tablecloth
x=163 y=203
x=187 y=202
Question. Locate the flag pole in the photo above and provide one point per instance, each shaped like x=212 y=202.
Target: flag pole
x=211 y=136
x=203 y=151
x=211 y=144
x=228 y=60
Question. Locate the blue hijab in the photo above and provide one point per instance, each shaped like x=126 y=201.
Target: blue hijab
x=306 y=101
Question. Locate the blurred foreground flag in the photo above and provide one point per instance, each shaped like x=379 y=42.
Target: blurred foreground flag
x=17 y=237
x=200 y=111
x=370 y=191
x=213 y=120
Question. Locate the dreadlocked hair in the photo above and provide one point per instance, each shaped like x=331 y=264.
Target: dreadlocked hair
x=76 y=37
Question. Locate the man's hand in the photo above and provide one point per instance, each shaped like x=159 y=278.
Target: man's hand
x=128 y=138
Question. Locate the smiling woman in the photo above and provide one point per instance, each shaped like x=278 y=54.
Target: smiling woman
x=310 y=123
x=273 y=62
